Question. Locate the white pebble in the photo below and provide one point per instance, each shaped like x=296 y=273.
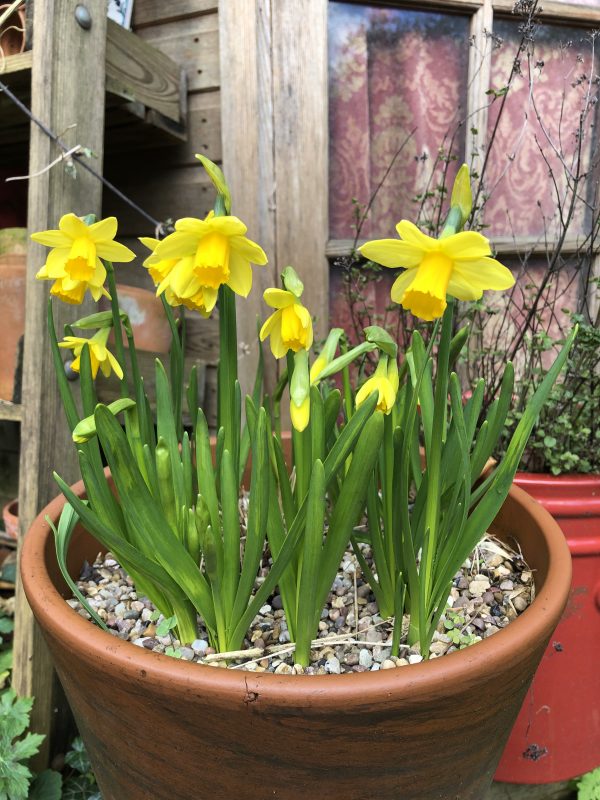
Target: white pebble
x=388 y=664
x=332 y=665
x=365 y=659
x=415 y=659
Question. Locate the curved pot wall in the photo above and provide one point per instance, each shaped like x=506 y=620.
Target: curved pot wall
x=557 y=733
x=156 y=727
x=12 y=305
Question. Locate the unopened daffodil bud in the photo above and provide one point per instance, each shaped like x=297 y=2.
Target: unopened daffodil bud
x=326 y=355
x=385 y=381
x=462 y=197
x=300 y=392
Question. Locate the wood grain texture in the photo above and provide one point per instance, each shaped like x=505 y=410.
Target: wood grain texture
x=480 y=67
x=136 y=70
x=10 y=411
x=153 y=12
x=67 y=87
x=248 y=157
x=182 y=192
x=301 y=157
x=571 y=14
x=193 y=43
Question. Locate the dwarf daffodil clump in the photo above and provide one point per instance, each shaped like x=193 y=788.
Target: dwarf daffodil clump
x=171 y=513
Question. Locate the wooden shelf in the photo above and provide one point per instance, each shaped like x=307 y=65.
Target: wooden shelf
x=146 y=103
x=10 y=411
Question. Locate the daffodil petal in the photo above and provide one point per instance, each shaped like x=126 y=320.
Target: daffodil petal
x=210 y=298
x=228 y=226
x=412 y=235
x=278 y=348
x=116 y=367
x=55 y=262
x=103 y=230
x=268 y=325
x=462 y=289
x=177 y=245
x=149 y=242
x=114 y=251
x=392 y=253
x=72 y=226
x=52 y=239
x=401 y=284
x=466 y=244
x=279 y=298
x=251 y=251
x=240 y=274
x=198 y=227
x=485 y=273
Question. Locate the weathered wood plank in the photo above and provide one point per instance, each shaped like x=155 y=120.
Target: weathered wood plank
x=480 y=67
x=154 y=12
x=203 y=133
x=19 y=62
x=248 y=160
x=10 y=411
x=137 y=71
x=551 y=10
x=186 y=191
x=193 y=44
x=67 y=80
x=301 y=156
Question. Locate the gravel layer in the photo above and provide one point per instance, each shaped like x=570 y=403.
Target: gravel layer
x=493 y=587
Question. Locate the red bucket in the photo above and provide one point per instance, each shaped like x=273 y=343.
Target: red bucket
x=557 y=733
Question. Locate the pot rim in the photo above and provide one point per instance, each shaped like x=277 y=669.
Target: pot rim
x=63 y=623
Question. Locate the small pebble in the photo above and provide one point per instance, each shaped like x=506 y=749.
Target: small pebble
x=388 y=664
x=365 y=659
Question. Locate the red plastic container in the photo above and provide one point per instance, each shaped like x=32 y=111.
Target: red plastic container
x=557 y=733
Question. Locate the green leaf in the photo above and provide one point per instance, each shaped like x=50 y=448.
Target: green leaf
x=62 y=539
x=46 y=786
x=77 y=757
x=588 y=786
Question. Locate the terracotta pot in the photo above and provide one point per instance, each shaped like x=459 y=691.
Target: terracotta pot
x=146 y=314
x=557 y=733
x=12 y=35
x=12 y=309
x=10 y=518
x=160 y=728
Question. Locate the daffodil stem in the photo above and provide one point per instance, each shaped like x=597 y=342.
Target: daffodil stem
x=434 y=460
x=117 y=330
x=176 y=361
x=227 y=375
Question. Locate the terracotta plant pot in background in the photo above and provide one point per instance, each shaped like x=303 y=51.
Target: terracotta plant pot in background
x=12 y=306
x=148 y=320
x=155 y=726
x=10 y=518
x=557 y=733
x=12 y=33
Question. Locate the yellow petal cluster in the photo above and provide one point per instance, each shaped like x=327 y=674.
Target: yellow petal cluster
x=74 y=263
x=290 y=326
x=100 y=356
x=459 y=265
x=175 y=277
x=385 y=382
x=199 y=257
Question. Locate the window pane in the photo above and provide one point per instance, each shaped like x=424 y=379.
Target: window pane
x=391 y=71
x=538 y=130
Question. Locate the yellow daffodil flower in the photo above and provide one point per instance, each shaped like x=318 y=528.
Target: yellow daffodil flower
x=290 y=327
x=74 y=263
x=385 y=381
x=100 y=356
x=219 y=253
x=458 y=265
x=175 y=277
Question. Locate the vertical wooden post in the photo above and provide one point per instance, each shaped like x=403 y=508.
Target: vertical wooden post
x=67 y=89
x=274 y=127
